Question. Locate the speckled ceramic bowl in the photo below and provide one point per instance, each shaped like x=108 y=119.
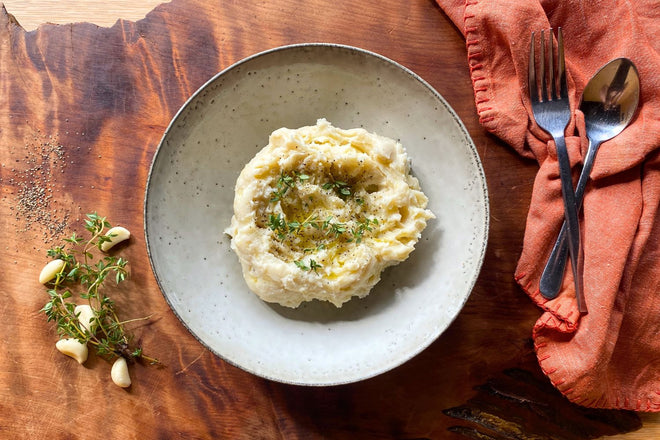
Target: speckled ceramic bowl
x=190 y=192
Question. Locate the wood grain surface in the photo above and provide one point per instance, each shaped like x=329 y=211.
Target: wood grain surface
x=31 y=13
x=82 y=109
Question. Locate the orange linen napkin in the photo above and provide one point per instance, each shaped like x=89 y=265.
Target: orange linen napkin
x=609 y=358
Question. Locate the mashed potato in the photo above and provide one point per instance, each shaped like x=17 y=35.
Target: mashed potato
x=321 y=211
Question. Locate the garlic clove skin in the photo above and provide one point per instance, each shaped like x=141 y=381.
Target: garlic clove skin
x=86 y=317
x=119 y=373
x=116 y=235
x=73 y=348
x=50 y=270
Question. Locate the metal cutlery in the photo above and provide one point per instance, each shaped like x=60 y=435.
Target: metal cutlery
x=551 y=109
x=609 y=102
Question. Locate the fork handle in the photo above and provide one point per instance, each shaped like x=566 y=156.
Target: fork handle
x=571 y=217
x=553 y=273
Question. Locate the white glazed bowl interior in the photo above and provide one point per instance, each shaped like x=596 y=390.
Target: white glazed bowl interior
x=189 y=199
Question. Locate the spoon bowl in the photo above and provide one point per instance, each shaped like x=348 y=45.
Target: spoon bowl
x=609 y=102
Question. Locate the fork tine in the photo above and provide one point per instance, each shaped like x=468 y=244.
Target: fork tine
x=561 y=66
x=544 y=96
x=531 y=75
x=552 y=87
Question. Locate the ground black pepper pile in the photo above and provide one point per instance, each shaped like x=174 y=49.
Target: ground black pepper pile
x=33 y=175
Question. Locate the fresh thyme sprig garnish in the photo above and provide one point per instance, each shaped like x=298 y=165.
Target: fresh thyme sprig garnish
x=342 y=189
x=363 y=226
x=313 y=265
x=278 y=224
x=286 y=182
x=335 y=228
x=84 y=270
x=283 y=229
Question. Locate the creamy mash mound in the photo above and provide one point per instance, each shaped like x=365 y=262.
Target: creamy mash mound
x=321 y=211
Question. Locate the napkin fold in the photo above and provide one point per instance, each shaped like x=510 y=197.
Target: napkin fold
x=610 y=357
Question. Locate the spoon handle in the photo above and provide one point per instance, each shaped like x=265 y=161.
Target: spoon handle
x=553 y=273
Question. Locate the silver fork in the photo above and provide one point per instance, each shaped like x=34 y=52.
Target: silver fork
x=552 y=113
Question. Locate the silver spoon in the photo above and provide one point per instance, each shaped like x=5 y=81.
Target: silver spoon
x=609 y=102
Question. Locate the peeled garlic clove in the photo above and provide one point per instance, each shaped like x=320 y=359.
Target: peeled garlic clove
x=73 y=348
x=86 y=317
x=119 y=373
x=116 y=235
x=50 y=270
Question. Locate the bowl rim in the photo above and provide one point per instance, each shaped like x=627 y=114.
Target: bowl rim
x=469 y=142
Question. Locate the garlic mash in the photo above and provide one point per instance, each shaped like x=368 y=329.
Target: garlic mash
x=321 y=211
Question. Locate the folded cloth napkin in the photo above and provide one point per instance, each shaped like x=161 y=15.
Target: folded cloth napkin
x=610 y=357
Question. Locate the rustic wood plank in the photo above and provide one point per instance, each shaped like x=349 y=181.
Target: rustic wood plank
x=31 y=13
x=82 y=110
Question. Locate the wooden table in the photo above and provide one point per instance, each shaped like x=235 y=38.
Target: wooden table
x=82 y=111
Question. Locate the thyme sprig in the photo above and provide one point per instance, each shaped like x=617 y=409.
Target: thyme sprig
x=342 y=189
x=283 y=229
x=89 y=272
x=286 y=182
x=363 y=226
x=313 y=265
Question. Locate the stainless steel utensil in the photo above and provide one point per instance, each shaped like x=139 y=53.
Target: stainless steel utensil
x=609 y=102
x=552 y=113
